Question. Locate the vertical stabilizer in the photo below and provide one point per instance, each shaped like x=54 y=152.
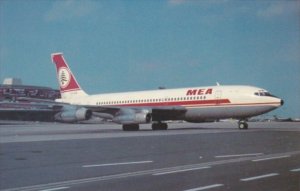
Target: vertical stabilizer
x=69 y=87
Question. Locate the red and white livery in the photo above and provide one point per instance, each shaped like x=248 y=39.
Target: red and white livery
x=193 y=104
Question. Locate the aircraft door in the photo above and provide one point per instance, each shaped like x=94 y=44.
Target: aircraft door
x=218 y=96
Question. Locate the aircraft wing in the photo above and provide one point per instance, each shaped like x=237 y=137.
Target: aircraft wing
x=103 y=109
x=158 y=113
x=41 y=110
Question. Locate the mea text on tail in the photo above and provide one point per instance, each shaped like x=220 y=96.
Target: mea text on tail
x=192 y=104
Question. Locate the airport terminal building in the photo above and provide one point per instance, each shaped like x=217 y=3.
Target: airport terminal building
x=26 y=102
x=12 y=88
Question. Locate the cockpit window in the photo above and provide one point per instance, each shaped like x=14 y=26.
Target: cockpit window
x=267 y=94
x=263 y=93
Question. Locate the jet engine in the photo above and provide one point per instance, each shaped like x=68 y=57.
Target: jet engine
x=73 y=115
x=133 y=118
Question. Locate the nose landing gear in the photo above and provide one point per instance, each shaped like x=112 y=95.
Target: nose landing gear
x=243 y=124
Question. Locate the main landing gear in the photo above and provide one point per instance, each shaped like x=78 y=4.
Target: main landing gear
x=131 y=127
x=243 y=124
x=136 y=127
x=159 y=126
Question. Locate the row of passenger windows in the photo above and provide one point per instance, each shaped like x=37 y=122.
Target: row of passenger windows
x=151 y=100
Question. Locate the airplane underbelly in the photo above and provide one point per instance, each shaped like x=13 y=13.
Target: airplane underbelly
x=203 y=114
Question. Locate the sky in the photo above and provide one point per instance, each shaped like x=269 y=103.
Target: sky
x=130 y=45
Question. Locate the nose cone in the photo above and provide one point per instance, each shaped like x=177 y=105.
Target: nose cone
x=281 y=102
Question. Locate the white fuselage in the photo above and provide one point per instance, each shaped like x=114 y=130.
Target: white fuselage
x=201 y=103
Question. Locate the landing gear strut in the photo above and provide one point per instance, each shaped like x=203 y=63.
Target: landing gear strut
x=159 y=126
x=131 y=127
x=243 y=124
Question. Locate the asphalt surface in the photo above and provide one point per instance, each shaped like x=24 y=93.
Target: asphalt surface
x=187 y=157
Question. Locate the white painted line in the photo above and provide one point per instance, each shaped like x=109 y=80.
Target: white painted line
x=200 y=157
x=271 y=158
x=69 y=183
x=114 y=164
x=182 y=170
x=238 y=155
x=205 y=187
x=259 y=177
x=295 y=170
x=53 y=189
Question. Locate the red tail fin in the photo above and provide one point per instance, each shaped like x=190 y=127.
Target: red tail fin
x=67 y=82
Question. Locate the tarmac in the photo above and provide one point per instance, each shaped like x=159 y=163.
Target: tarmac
x=187 y=157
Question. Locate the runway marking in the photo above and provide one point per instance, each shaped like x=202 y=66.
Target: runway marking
x=295 y=170
x=53 y=189
x=239 y=155
x=205 y=187
x=200 y=157
x=133 y=174
x=259 y=177
x=182 y=170
x=271 y=158
x=114 y=164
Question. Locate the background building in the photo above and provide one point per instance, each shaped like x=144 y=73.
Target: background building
x=26 y=102
x=12 y=89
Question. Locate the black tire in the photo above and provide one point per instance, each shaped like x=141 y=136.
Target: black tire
x=131 y=127
x=159 y=126
x=243 y=125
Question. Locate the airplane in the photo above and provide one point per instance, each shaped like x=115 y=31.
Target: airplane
x=192 y=104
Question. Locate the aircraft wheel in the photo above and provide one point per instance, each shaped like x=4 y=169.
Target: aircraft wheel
x=243 y=125
x=154 y=126
x=131 y=127
x=164 y=126
x=159 y=126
